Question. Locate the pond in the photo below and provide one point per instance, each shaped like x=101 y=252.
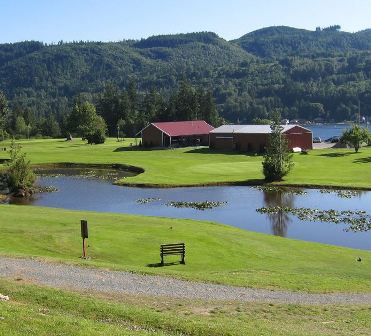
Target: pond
x=235 y=206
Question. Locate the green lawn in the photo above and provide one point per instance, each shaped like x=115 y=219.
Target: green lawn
x=192 y=166
x=215 y=252
x=41 y=311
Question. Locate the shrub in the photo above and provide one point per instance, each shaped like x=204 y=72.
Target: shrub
x=19 y=172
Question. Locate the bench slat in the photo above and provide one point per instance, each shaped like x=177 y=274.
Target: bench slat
x=165 y=251
x=169 y=245
x=174 y=253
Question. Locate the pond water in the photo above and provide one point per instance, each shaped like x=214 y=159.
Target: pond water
x=92 y=193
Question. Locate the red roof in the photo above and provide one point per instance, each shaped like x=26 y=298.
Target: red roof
x=183 y=128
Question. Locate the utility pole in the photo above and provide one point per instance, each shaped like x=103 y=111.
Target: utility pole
x=118 y=132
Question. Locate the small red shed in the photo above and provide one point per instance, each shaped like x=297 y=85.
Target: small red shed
x=176 y=133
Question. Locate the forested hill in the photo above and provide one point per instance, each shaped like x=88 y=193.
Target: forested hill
x=303 y=74
x=281 y=41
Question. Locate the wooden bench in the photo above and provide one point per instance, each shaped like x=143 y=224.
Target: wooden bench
x=172 y=249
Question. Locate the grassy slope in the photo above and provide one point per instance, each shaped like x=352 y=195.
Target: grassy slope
x=189 y=166
x=214 y=252
x=40 y=311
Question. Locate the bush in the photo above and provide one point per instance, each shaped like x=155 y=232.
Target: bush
x=19 y=172
x=98 y=137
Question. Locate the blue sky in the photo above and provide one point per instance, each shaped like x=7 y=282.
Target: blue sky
x=112 y=20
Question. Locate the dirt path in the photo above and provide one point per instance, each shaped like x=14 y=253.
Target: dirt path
x=90 y=279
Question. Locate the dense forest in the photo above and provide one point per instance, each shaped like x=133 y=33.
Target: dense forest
x=322 y=75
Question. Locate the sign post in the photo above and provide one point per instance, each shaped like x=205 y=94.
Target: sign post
x=84 y=235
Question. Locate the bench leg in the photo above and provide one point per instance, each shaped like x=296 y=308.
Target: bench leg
x=162 y=260
x=182 y=262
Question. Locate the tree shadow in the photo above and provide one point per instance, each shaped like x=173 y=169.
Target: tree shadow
x=335 y=155
x=363 y=160
x=74 y=145
x=135 y=149
x=215 y=151
x=165 y=264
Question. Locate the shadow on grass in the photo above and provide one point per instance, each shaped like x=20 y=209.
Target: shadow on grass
x=363 y=160
x=74 y=145
x=215 y=151
x=135 y=149
x=165 y=264
x=335 y=155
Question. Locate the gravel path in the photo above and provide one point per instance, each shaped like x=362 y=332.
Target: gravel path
x=91 y=279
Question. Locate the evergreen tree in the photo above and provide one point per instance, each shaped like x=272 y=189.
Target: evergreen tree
x=4 y=114
x=277 y=161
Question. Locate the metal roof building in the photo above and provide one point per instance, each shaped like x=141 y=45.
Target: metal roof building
x=254 y=138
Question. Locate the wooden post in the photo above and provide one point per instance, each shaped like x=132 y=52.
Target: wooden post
x=84 y=235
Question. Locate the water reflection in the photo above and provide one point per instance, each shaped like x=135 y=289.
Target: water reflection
x=279 y=221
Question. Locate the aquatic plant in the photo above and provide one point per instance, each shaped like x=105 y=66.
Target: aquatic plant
x=358 y=220
x=148 y=200
x=341 y=193
x=196 y=205
x=293 y=191
x=41 y=189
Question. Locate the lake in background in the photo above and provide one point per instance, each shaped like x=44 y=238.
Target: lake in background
x=326 y=131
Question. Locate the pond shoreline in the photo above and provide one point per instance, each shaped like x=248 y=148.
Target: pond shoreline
x=139 y=170
x=66 y=165
x=251 y=183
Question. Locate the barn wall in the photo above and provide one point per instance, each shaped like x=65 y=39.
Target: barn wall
x=299 y=137
x=247 y=142
x=222 y=141
x=151 y=137
x=205 y=140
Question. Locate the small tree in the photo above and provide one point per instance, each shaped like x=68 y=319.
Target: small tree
x=85 y=122
x=277 y=159
x=19 y=172
x=96 y=134
x=355 y=136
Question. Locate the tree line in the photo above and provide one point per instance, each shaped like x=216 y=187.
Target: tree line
x=113 y=112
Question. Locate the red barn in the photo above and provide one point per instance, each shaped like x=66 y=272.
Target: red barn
x=254 y=138
x=176 y=133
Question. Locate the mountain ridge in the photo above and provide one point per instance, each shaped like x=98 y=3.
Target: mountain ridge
x=303 y=73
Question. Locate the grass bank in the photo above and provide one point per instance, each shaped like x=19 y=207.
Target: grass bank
x=201 y=166
x=215 y=253
x=34 y=310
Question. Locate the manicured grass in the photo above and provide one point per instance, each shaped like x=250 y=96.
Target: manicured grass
x=192 y=166
x=215 y=252
x=41 y=311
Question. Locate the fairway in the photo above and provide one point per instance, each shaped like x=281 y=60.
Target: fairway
x=215 y=253
x=201 y=166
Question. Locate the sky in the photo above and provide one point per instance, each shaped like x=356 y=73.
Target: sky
x=114 y=20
